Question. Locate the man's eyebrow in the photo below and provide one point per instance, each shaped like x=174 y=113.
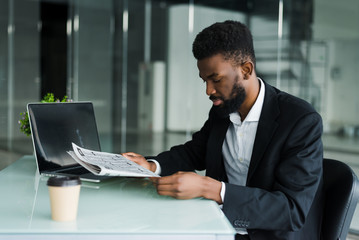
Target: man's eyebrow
x=210 y=76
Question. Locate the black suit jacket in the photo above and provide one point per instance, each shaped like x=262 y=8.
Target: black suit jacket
x=281 y=199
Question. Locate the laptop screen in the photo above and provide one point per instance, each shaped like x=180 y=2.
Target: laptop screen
x=54 y=126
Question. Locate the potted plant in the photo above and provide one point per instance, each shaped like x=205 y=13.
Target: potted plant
x=24 y=119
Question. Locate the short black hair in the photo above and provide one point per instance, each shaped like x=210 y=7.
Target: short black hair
x=230 y=38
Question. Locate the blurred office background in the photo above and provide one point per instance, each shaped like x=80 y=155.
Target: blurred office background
x=133 y=60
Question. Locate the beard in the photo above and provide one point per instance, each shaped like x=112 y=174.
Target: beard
x=232 y=104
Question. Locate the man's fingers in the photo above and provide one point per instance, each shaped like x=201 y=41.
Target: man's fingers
x=167 y=187
x=166 y=180
x=134 y=157
x=140 y=160
x=172 y=193
x=171 y=186
x=187 y=185
x=131 y=154
x=172 y=179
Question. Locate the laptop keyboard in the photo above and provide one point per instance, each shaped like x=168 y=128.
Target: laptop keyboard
x=74 y=171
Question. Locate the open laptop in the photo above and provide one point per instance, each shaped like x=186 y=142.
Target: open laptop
x=54 y=126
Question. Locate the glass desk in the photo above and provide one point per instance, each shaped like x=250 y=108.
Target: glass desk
x=118 y=208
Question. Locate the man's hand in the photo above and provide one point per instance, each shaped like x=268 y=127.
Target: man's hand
x=140 y=160
x=187 y=185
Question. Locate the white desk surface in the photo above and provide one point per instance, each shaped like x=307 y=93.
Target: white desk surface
x=125 y=207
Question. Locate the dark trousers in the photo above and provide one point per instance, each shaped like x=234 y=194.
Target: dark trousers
x=241 y=237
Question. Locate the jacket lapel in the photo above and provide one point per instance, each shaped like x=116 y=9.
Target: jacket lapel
x=215 y=165
x=266 y=127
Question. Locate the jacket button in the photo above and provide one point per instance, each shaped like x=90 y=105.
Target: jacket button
x=237 y=223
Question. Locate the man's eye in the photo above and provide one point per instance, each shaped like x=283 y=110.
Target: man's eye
x=217 y=80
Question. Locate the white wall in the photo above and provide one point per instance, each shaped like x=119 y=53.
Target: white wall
x=336 y=19
x=188 y=104
x=151 y=96
x=344 y=83
x=336 y=24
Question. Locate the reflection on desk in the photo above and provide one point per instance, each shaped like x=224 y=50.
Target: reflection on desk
x=126 y=207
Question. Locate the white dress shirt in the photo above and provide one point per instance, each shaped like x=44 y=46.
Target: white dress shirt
x=238 y=145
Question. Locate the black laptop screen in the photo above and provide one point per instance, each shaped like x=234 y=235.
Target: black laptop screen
x=55 y=126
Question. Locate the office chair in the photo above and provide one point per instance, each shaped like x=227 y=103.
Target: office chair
x=341 y=193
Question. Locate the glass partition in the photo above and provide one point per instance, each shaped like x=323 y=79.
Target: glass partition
x=5 y=21
x=92 y=60
x=19 y=68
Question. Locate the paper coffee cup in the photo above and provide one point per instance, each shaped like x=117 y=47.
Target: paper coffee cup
x=64 y=197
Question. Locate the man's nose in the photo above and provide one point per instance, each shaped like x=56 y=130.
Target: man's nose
x=210 y=88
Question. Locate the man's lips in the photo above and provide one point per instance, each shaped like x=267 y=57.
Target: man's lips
x=216 y=100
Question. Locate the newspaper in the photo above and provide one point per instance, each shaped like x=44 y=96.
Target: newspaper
x=108 y=164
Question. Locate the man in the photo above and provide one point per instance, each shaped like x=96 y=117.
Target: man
x=261 y=147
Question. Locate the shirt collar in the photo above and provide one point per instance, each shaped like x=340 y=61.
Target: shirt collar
x=255 y=112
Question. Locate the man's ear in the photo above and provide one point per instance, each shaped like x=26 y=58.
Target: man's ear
x=247 y=69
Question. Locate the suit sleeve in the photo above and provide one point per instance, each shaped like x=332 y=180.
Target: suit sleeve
x=296 y=179
x=186 y=157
